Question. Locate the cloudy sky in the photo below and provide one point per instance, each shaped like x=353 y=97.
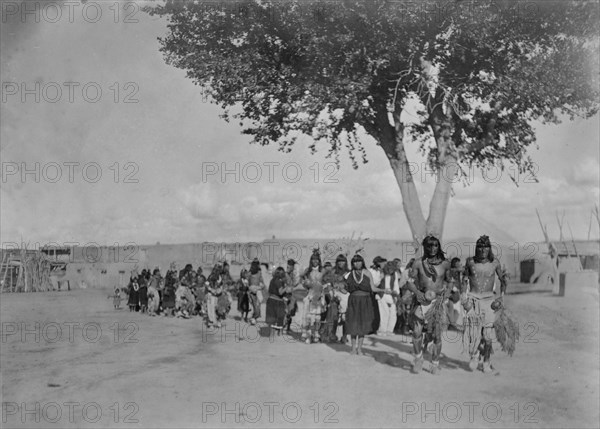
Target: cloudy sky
x=142 y=161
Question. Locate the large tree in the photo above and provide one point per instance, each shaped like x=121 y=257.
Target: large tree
x=480 y=72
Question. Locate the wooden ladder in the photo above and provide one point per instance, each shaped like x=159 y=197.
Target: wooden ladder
x=4 y=269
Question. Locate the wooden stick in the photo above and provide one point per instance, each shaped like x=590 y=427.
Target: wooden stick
x=544 y=230
x=573 y=240
x=560 y=222
x=5 y=267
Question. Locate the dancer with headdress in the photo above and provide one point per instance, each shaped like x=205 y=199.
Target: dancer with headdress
x=329 y=316
x=133 y=301
x=171 y=284
x=314 y=303
x=480 y=301
x=256 y=285
x=341 y=295
x=214 y=289
x=243 y=295
x=360 y=315
x=292 y=280
x=154 y=286
x=427 y=282
x=143 y=291
x=200 y=293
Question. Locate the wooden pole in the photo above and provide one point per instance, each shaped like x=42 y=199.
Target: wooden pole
x=5 y=267
x=544 y=229
x=573 y=240
x=560 y=224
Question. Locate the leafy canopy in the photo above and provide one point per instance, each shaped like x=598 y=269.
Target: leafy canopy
x=329 y=70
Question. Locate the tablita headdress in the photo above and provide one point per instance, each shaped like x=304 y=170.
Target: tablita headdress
x=316 y=254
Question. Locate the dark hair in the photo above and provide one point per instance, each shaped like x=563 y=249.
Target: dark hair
x=389 y=268
x=315 y=255
x=215 y=273
x=454 y=261
x=255 y=266
x=482 y=243
x=279 y=273
x=344 y=269
x=357 y=258
x=430 y=239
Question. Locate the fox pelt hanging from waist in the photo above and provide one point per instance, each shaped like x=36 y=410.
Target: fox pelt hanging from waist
x=505 y=328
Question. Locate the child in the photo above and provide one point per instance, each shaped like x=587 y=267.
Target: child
x=214 y=289
x=153 y=300
x=342 y=296
x=116 y=299
x=457 y=284
x=223 y=307
x=314 y=304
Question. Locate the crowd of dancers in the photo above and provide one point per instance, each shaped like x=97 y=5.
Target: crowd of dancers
x=347 y=299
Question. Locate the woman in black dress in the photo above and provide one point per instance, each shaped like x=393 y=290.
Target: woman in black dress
x=171 y=284
x=243 y=297
x=134 y=297
x=275 y=303
x=361 y=313
x=143 y=292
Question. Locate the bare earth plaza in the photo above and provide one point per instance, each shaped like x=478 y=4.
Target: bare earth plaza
x=324 y=213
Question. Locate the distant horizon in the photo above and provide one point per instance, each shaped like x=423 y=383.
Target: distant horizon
x=464 y=240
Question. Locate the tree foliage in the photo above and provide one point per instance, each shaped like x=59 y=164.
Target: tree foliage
x=326 y=69
x=480 y=72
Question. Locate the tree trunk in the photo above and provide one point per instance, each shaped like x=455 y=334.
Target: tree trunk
x=392 y=143
x=447 y=169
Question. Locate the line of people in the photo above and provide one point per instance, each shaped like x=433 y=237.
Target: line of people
x=421 y=300
x=182 y=293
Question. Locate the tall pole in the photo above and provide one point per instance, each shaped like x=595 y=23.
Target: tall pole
x=544 y=229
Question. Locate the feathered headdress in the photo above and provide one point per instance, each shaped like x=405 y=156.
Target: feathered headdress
x=483 y=241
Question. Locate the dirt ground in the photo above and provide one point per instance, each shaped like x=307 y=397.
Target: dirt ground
x=69 y=359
